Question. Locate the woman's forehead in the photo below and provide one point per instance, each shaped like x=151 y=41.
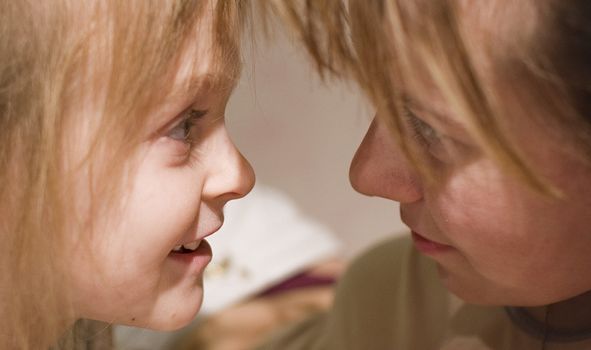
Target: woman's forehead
x=493 y=33
x=497 y=27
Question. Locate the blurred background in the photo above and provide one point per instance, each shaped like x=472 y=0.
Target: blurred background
x=300 y=135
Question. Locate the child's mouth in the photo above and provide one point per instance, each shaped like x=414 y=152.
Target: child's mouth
x=186 y=248
x=196 y=255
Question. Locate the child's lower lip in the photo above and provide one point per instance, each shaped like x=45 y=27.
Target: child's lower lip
x=427 y=246
x=198 y=258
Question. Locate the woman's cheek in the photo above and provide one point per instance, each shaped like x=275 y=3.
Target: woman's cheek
x=474 y=221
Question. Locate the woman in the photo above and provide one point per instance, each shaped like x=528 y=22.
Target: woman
x=483 y=135
x=115 y=162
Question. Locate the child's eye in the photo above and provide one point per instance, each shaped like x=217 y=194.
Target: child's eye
x=182 y=130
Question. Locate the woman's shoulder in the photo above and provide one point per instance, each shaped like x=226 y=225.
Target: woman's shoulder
x=373 y=283
x=376 y=303
x=372 y=303
x=387 y=250
x=386 y=263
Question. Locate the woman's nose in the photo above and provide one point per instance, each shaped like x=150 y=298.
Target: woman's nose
x=379 y=168
x=231 y=176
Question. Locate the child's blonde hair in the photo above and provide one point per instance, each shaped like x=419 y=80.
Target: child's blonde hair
x=541 y=50
x=52 y=55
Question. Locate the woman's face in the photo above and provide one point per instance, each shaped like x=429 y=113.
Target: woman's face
x=494 y=240
x=146 y=264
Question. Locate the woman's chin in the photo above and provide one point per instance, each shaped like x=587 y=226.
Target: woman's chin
x=485 y=295
x=471 y=291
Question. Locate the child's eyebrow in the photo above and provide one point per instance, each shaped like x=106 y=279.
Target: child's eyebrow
x=191 y=90
x=200 y=83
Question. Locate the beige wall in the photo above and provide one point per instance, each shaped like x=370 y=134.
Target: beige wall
x=300 y=136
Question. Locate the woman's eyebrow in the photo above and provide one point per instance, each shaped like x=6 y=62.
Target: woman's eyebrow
x=441 y=117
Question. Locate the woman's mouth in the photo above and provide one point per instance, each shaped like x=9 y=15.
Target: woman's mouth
x=427 y=246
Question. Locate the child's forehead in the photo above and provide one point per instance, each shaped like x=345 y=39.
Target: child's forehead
x=199 y=69
x=200 y=84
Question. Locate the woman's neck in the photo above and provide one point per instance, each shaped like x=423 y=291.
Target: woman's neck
x=571 y=315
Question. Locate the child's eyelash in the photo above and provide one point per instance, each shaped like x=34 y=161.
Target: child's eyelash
x=185 y=134
x=193 y=116
x=191 y=120
x=182 y=131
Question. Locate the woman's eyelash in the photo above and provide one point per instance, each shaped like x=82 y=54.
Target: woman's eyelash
x=422 y=131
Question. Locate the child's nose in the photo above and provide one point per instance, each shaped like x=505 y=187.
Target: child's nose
x=380 y=168
x=232 y=176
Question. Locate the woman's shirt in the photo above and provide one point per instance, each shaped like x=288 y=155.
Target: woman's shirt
x=392 y=298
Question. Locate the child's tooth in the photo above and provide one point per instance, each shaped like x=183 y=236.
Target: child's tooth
x=192 y=245
x=177 y=248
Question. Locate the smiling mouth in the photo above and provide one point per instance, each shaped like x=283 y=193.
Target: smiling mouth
x=187 y=248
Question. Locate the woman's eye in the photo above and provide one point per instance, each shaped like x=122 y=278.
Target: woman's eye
x=182 y=130
x=439 y=146
x=423 y=132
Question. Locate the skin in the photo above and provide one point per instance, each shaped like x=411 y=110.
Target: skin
x=508 y=245
x=177 y=194
x=546 y=239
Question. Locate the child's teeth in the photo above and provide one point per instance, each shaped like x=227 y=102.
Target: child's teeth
x=177 y=248
x=192 y=245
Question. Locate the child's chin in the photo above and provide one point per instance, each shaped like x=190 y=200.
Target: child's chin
x=178 y=319
x=182 y=320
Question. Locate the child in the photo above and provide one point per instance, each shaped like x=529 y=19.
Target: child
x=483 y=135
x=114 y=161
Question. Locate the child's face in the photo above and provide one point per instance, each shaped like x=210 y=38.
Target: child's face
x=494 y=240
x=176 y=196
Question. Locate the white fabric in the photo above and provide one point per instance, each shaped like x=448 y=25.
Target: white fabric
x=265 y=240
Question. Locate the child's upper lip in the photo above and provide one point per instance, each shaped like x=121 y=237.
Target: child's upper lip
x=211 y=232
x=208 y=233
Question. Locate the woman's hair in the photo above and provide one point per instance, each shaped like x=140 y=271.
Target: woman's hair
x=540 y=51
x=54 y=56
